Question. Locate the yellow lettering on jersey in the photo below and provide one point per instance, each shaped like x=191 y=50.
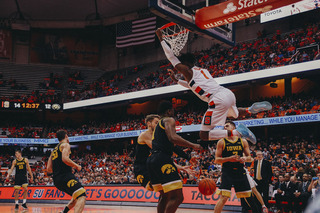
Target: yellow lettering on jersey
x=234 y=148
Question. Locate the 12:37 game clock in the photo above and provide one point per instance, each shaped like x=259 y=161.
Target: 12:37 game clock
x=34 y=106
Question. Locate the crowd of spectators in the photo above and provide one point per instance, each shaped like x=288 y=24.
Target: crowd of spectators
x=262 y=53
x=282 y=106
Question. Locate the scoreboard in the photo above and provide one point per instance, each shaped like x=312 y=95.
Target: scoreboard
x=31 y=106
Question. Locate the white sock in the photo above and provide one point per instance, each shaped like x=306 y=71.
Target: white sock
x=217 y=134
x=17 y=201
x=24 y=201
x=236 y=133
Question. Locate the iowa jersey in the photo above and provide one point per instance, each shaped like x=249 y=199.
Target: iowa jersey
x=59 y=167
x=142 y=153
x=160 y=141
x=21 y=168
x=232 y=148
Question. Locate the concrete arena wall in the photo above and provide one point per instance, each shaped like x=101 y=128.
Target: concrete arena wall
x=120 y=195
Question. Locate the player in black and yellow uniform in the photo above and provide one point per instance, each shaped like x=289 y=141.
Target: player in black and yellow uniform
x=143 y=151
x=232 y=152
x=21 y=180
x=163 y=172
x=61 y=165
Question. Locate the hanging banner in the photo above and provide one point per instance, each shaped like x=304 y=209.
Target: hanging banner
x=293 y=9
x=5 y=45
x=235 y=10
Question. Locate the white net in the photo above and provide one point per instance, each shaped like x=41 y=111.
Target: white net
x=176 y=36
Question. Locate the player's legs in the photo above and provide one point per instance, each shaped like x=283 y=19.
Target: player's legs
x=24 y=195
x=16 y=196
x=162 y=202
x=221 y=105
x=173 y=199
x=220 y=204
x=79 y=206
x=260 y=199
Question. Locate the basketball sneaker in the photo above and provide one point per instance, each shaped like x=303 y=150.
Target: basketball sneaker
x=246 y=133
x=24 y=206
x=259 y=107
x=16 y=207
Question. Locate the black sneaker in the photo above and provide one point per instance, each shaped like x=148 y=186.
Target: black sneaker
x=24 y=206
x=16 y=207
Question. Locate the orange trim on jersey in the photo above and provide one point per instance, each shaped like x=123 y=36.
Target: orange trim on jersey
x=197 y=90
x=208 y=113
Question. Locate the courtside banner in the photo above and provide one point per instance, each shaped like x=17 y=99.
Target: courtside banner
x=235 y=10
x=116 y=193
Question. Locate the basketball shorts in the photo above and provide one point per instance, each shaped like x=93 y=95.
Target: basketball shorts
x=20 y=182
x=237 y=178
x=142 y=175
x=69 y=184
x=163 y=173
x=221 y=105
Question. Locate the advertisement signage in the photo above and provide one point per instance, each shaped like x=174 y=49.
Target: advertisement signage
x=116 y=193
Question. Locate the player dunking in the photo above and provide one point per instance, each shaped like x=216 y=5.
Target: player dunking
x=221 y=101
x=21 y=180
x=228 y=154
x=60 y=165
x=163 y=172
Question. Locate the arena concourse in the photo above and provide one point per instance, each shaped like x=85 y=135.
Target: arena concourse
x=75 y=70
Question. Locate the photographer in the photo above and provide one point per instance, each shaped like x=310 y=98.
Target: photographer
x=314 y=186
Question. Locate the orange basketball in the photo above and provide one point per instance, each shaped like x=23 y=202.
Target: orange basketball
x=207 y=186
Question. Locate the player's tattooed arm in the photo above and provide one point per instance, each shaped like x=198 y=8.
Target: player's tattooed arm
x=49 y=165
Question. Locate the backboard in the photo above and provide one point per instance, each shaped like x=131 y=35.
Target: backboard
x=182 y=12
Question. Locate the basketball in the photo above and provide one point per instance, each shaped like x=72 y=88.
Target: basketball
x=207 y=186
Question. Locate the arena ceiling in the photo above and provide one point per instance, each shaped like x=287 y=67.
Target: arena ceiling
x=67 y=10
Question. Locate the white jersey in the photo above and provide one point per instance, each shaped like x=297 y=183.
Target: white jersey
x=203 y=84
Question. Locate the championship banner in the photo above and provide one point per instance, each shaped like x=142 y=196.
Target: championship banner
x=235 y=10
x=116 y=193
x=5 y=44
x=293 y=9
x=63 y=47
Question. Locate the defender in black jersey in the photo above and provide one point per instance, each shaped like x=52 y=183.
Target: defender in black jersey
x=21 y=180
x=60 y=165
x=232 y=152
x=143 y=149
x=163 y=172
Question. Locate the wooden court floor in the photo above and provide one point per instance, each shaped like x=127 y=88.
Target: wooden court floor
x=56 y=208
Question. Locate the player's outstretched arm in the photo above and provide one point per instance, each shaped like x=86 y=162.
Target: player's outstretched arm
x=49 y=165
x=11 y=169
x=181 y=82
x=29 y=170
x=65 y=157
x=185 y=70
x=170 y=128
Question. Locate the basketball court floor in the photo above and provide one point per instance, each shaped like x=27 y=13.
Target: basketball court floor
x=55 y=208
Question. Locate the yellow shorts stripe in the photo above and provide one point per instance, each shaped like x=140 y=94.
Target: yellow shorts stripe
x=243 y=194
x=77 y=193
x=224 y=193
x=24 y=185
x=17 y=187
x=157 y=188
x=172 y=186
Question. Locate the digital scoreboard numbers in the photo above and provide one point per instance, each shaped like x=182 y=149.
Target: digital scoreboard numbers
x=34 y=106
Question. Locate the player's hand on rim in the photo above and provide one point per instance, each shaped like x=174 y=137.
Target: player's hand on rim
x=159 y=34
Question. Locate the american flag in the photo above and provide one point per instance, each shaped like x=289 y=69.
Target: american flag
x=131 y=33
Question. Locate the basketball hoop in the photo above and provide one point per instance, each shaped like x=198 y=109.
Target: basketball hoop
x=175 y=35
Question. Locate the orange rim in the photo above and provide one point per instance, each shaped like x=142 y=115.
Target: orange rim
x=175 y=34
x=168 y=25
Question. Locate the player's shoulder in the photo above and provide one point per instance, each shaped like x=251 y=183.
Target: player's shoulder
x=142 y=137
x=168 y=120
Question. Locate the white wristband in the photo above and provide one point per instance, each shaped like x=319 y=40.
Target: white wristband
x=169 y=53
